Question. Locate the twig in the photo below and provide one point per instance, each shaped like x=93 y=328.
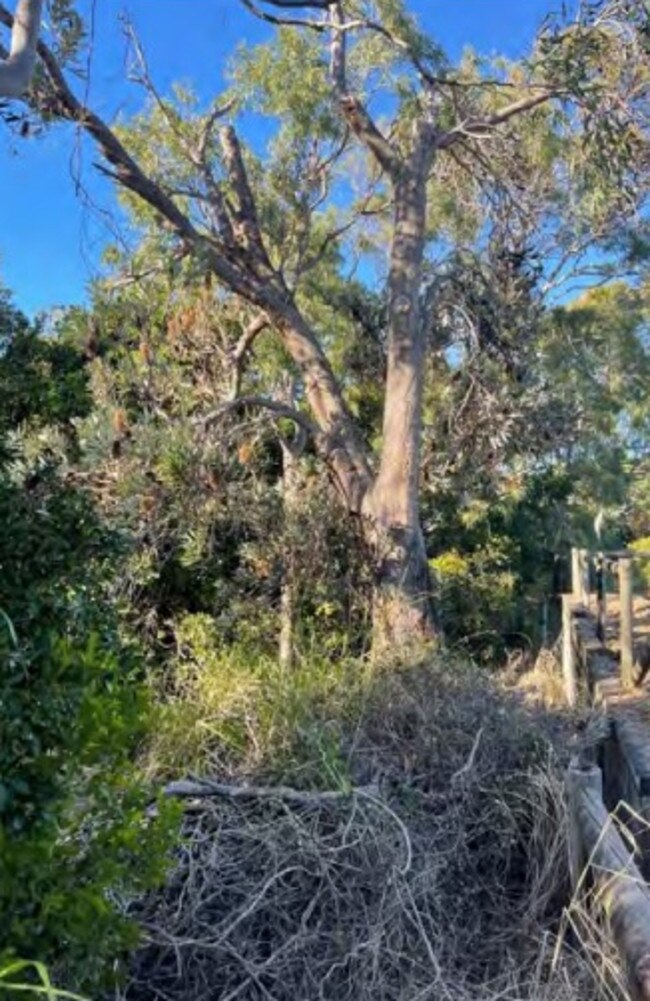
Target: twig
x=469 y=764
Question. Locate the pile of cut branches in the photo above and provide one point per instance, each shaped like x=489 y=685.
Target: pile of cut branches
x=441 y=873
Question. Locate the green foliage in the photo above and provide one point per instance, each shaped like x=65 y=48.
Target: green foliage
x=73 y=713
x=512 y=540
x=260 y=77
x=42 y=380
x=68 y=29
x=476 y=596
x=642 y=566
x=74 y=838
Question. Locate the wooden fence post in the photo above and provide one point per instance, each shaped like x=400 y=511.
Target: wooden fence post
x=578 y=779
x=601 y=600
x=584 y=577
x=575 y=572
x=580 y=575
x=627 y=621
x=568 y=651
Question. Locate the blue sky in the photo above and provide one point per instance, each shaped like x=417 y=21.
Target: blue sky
x=53 y=205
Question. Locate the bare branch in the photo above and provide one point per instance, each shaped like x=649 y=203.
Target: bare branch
x=243 y=347
x=294 y=22
x=263 y=402
x=17 y=68
x=338 y=68
x=197 y=156
x=246 y=220
x=202 y=788
x=133 y=277
x=478 y=127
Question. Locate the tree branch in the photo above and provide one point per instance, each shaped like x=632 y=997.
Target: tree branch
x=365 y=129
x=242 y=348
x=132 y=277
x=482 y=126
x=235 y=267
x=202 y=788
x=17 y=68
x=293 y=22
x=127 y=172
x=215 y=201
x=246 y=218
x=356 y=115
x=263 y=402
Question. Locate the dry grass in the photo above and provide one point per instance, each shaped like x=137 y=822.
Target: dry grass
x=443 y=876
x=543 y=682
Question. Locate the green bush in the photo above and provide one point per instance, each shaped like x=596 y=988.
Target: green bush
x=476 y=594
x=642 y=567
x=75 y=841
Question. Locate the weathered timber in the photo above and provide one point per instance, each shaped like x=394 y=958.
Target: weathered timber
x=601 y=597
x=598 y=848
x=580 y=575
x=597 y=665
x=625 y=755
x=627 y=622
x=568 y=651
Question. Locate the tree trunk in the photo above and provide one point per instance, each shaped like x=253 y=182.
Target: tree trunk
x=403 y=609
x=288 y=596
x=402 y=601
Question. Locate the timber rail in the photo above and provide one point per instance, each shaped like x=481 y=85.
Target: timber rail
x=605 y=661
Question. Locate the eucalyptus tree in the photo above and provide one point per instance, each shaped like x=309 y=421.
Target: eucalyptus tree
x=263 y=228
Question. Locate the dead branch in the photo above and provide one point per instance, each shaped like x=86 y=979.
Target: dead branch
x=207 y=788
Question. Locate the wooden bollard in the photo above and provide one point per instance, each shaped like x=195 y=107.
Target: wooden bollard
x=575 y=572
x=620 y=889
x=627 y=621
x=568 y=651
x=585 y=588
x=601 y=600
x=579 y=779
x=580 y=575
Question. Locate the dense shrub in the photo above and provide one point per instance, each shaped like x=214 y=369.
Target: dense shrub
x=73 y=712
x=74 y=709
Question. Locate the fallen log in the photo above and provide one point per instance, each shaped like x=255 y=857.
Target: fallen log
x=598 y=850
